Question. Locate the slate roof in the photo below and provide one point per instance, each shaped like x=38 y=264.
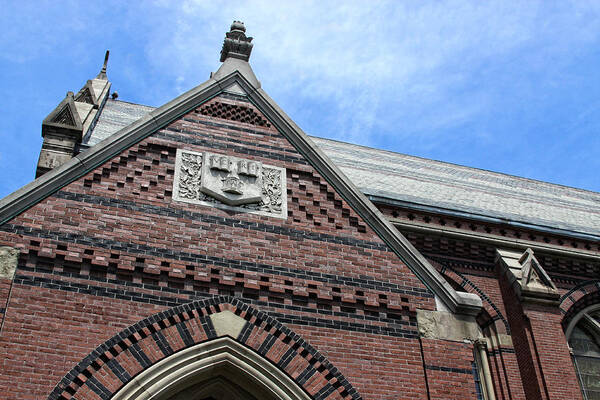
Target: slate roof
x=422 y=183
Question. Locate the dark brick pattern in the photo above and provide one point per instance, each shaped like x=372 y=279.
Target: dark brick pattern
x=195 y=140
x=481 y=251
x=232 y=111
x=494 y=312
x=398 y=323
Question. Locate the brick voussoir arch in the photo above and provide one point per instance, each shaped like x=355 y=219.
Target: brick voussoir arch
x=117 y=361
x=487 y=304
x=576 y=299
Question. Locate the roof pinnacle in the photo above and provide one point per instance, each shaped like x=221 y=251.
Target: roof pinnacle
x=236 y=43
x=102 y=73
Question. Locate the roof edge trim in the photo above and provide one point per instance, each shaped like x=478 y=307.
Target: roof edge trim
x=47 y=184
x=461 y=303
x=479 y=217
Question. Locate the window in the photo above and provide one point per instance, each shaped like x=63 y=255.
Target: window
x=583 y=335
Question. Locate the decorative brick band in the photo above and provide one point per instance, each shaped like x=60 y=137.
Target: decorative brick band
x=188 y=139
x=215 y=139
x=232 y=127
x=117 y=361
x=234 y=112
x=373 y=325
x=449 y=369
x=364 y=282
x=295 y=234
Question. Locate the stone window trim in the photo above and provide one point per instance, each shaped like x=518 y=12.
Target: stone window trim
x=585 y=317
x=480 y=353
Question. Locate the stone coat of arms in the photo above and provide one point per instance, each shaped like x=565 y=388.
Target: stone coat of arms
x=230 y=182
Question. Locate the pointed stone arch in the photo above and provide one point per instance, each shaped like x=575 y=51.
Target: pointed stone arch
x=217 y=367
x=191 y=343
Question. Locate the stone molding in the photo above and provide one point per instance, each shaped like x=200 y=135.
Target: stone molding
x=8 y=262
x=65 y=127
x=447 y=326
x=527 y=276
x=222 y=356
x=236 y=43
x=498 y=240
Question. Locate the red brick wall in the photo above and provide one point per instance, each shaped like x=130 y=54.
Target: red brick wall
x=545 y=366
x=48 y=331
x=113 y=247
x=551 y=352
x=5 y=285
x=539 y=343
x=449 y=369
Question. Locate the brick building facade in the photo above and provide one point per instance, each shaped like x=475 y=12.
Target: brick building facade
x=210 y=249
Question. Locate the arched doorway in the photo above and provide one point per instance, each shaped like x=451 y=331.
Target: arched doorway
x=219 y=388
x=194 y=349
x=221 y=369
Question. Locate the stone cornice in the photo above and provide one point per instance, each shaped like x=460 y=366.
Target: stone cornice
x=497 y=240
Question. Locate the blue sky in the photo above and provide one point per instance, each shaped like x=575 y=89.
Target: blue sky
x=512 y=87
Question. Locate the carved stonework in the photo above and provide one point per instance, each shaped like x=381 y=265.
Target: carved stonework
x=527 y=276
x=236 y=43
x=230 y=182
x=64 y=117
x=8 y=262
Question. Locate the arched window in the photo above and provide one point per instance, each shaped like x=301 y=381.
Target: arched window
x=583 y=334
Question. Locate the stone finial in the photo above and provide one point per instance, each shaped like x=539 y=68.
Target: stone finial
x=236 y=43
x=102 y=73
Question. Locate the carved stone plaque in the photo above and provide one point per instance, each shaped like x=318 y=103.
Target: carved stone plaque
x=230 y=182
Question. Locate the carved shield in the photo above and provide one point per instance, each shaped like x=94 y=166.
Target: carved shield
x=232 y=180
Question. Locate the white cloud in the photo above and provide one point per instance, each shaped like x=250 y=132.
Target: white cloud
x=385 y=73
x=366 y=58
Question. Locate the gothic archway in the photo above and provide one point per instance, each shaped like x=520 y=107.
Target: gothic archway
x=200 y=344
x=219 y=369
